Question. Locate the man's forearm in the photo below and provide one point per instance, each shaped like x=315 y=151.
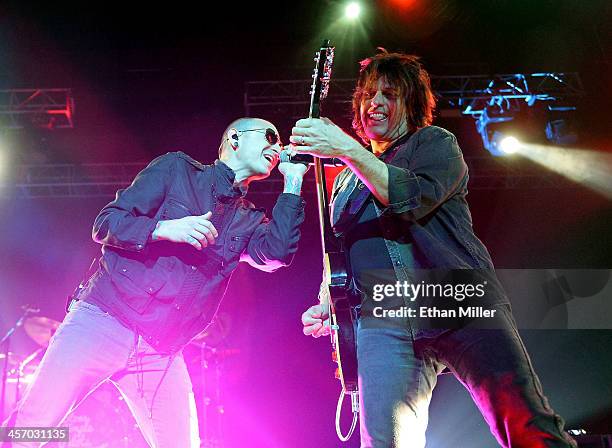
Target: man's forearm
x=293 y=184
x=372 y=172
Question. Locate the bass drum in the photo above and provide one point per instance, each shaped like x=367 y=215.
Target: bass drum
x=103 y=420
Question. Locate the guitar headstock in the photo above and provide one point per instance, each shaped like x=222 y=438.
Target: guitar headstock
x=324 y=59
x=327 y=70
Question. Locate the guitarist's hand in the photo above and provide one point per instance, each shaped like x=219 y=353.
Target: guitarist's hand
x=316 y=321
x=322 y=138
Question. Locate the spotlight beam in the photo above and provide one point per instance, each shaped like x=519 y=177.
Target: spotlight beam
x=593 y=169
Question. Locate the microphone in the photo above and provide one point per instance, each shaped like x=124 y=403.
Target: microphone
x=307 y=159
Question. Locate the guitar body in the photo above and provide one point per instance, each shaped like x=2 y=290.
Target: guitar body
x=341 y=317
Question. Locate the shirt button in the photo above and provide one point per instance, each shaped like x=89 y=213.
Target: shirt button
x=360 y=186
x=139 y=246
x=177 y=306
x=193 y=268
x=150 y=289
x=124 y=270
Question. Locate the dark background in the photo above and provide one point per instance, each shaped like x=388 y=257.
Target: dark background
x=155 y=78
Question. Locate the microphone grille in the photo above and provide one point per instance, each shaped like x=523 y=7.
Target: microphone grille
x=284 y=156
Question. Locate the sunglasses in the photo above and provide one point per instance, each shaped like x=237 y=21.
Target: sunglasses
x=271 y=136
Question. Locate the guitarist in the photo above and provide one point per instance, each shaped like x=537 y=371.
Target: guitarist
x=400 y=207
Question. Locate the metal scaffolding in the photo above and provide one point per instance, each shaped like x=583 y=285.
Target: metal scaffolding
x=104 y=179
x=469 y=93
x=41 y=108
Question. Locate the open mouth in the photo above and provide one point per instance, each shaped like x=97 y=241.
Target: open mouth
x=377 y=116
x=269 y=157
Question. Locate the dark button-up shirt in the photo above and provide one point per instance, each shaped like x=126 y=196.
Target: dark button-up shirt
x=427 y=224
x=168 y=292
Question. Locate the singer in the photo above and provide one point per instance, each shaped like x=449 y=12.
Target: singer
x=170 y=242
x=417 y=217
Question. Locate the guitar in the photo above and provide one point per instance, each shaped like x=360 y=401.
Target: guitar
x=341 y=301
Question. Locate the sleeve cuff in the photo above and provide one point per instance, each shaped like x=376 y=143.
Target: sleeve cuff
x=141 y=243
x=404 y=191
x=291 y=200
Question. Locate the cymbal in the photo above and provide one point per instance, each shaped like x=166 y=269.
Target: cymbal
x=40 y=329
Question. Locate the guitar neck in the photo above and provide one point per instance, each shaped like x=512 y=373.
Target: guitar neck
x=329 y=242
x=322 y=70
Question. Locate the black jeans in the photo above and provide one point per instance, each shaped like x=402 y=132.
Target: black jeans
x=398 y=374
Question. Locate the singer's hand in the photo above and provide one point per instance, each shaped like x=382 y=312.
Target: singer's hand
x=322 y=138
x=197 y=231
x=293 y=173
x=289 y=169
x=316 y=321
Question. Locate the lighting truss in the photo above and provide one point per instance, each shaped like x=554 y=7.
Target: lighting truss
x=42 y=108
x=290 y=97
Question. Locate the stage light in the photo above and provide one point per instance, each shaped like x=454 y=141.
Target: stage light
x=509 y=145
x=501 y=144
x=352 y=10
x=560 y=132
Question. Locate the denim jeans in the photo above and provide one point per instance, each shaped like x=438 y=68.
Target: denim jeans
x=397 y=375
x=91 y=346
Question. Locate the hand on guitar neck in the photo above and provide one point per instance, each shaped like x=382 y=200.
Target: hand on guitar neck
x=316 y=318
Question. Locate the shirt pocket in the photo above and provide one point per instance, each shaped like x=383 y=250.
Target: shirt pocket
x=138 y=283
x=238 y=243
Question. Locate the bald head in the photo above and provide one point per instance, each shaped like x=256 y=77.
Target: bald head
x=247 y=148
x=241 y=124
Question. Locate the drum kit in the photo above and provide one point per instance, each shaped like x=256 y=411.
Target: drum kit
x=103 y=419
x=18 y=372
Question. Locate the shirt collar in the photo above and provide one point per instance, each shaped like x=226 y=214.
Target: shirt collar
x=391 y=149
x=224 y=178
